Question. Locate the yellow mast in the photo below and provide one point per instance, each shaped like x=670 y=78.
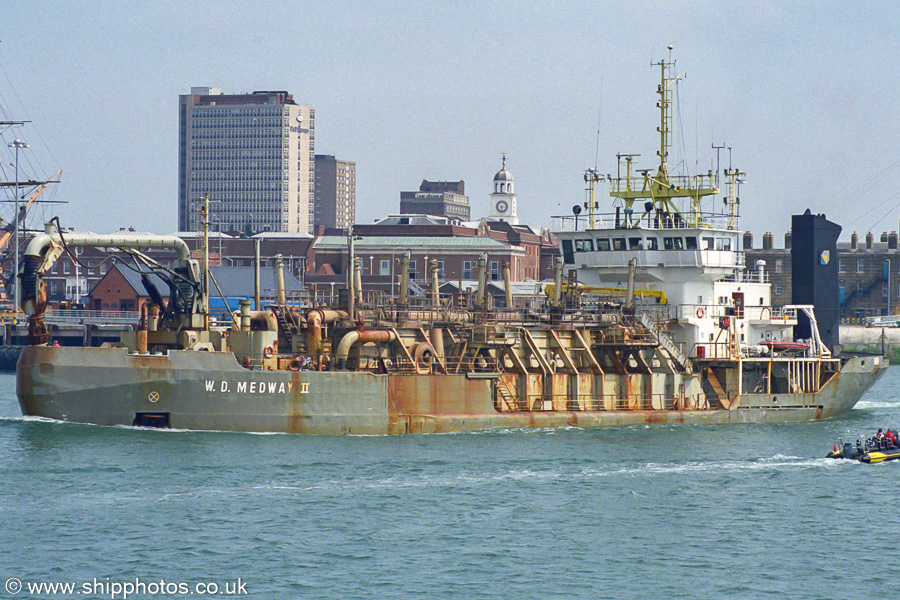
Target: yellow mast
x=204 y=222
x=660 y=189
x=591 y=176
x=732 y=200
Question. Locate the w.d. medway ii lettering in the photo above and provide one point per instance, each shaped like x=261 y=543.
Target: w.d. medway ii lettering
x=254 y=387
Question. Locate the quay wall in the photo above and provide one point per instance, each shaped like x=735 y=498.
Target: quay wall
x=873 y=340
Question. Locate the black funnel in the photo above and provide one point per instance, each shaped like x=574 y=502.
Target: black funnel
x=814 y=280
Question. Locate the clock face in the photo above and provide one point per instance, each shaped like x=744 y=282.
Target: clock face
x=502 y=206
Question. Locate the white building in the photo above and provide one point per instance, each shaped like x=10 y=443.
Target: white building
x=503 y=199
x=254 y=154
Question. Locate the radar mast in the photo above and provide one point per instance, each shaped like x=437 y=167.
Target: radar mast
x=661 y=189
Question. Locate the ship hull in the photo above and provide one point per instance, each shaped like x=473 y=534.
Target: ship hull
x=211 y=391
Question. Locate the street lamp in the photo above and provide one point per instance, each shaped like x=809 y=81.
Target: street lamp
x=17 y=144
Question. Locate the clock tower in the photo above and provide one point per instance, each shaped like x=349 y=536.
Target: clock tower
x=503 y=200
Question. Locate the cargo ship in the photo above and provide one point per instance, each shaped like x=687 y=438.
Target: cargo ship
x=651 y=319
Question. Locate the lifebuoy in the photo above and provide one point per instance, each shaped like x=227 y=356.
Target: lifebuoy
x=700 y=312
x=269 y=352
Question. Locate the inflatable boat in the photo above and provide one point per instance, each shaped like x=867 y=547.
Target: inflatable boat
x=871 y=450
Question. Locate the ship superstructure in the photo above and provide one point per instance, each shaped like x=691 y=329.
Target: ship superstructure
x=685 y=241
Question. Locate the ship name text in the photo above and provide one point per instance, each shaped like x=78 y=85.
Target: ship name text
x=254 y=387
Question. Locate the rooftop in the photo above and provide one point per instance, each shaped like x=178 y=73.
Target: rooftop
x=398 y=245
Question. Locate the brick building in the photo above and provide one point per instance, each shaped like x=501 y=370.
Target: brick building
x=121 y=288
x=456 y=247
x=868 y=272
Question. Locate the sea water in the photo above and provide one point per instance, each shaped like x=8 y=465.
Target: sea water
x=731 y=511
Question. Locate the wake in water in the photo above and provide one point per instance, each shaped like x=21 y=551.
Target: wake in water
x=866 y=404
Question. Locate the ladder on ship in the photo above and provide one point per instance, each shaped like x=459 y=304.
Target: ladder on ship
x=666 y=342
x=287 y=327
x=505 y=397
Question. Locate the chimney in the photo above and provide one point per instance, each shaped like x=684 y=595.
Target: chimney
x=884 y=236
x=854 y=241
x=748 y=240
x=892 y=240
x=787 y=240
x=768 y=240
x=869 y=239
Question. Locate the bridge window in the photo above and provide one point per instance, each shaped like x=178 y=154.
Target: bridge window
x=669 y=243
x=603 y=244
x=709 y=243
x=652 y=244
x=690 y=243
x=636 y=243
x=618 y=243
x=584 y=245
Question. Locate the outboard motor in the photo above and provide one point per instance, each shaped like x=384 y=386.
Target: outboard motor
x=849 y=451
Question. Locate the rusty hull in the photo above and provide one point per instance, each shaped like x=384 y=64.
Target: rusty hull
x=211 y=391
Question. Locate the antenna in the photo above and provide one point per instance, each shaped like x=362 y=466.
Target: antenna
x=717 y=148
x=599 y=115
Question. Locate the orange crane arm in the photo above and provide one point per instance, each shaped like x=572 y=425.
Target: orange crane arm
x=6 y=235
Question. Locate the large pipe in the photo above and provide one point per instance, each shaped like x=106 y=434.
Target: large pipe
x=315 y=318
x=256 y=276
x=360 y=337
x=357 y=278
x=557 y=289
x=152 y=316
x=507 y=283
x=265 y=320
x=47 y=247
x=140 y=341
x=245 y=315
x=404 y=277
x=279 y=280
x=50 y=237
x=629 y=291
x=482 y=280
x=435 y=292
x=436 y=335
x=350 y=279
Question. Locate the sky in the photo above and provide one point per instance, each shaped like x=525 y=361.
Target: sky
x=802 y=93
